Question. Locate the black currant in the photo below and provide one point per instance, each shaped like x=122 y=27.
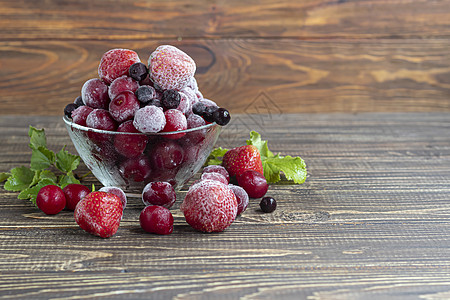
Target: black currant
x=198 y=108
x=145 y=93
x=221 y=116
x=208 y=114
x=170 y=99
x=138 y=71
x=79 y=101
x=69 y=109
x=268 y=204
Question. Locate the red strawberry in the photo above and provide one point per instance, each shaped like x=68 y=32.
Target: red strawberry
x=115 y=63
x=209 y=206
x=241 y=159
x=171 y=68
x=99 y=213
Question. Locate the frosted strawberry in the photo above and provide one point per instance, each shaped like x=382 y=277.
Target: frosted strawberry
x=171 y=68
x=241 y=159
x=116 y=63
x=209 y=206
x=99 y=213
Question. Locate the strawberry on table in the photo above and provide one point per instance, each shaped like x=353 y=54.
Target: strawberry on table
x=171 y=68
x=99 y=213
x=241 y=159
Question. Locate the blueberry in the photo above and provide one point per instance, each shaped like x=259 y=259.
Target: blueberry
x=221 y=116
x=198 y=108
x=145 y=94
x=268 y=204
x=79 y=101
x=208 y=114
x=138 y=71
x=69 y=109
x=170 y=99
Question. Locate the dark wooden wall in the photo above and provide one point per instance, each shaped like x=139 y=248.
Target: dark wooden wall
x=284 y=56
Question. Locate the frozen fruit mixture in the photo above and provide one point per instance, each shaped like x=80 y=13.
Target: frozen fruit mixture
x=151 y=105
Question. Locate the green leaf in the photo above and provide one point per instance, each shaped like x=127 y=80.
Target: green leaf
x=66 y=162
x=37 y=138
x=67 y=179
x=21 y=178
x=214 y=156
x=31 y=192
x=255 y=140
x=4 y=176
x=41 y=158
x=47 y=174
x=294 y=168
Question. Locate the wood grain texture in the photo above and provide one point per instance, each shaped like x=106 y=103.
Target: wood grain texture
x=143 y=20
x=248 y=76
x=370 y=222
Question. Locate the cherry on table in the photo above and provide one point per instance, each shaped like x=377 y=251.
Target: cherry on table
x=51 y=199
x=74 y=193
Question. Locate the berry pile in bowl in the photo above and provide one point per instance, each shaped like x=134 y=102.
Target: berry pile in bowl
x=139 y=123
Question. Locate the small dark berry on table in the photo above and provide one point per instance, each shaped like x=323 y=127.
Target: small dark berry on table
x=221 y=116
x=170 y=99
x=138 y=71
x=198 y=108
x=268 y=204
x=208 y=114
x=78 y=101
x=145 y=94
x=69 y=109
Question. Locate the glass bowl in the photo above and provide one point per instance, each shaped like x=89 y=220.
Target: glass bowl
x=131 y=160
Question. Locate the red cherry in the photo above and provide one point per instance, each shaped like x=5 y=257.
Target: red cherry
x=74 y=193
x=51 y=199
x=254 y=183
x=156 y=219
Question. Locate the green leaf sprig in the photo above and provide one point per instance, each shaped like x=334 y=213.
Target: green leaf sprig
x=29 y=180
x=294 y=168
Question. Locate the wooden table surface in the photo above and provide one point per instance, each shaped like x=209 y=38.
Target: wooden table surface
x=372 y=221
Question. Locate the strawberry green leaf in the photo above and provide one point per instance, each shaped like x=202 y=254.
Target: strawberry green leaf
x=21 y=178
x=41 y=158
x=47 y=174
x=4 y=176
x=37 y=138
x=67 y=179
x=255 y=140
x=294 y=168
x=66 y=162
x=215 y=156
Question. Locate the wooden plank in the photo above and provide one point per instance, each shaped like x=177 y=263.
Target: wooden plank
x=143 y=20
x=248 y=75
x=371 y=221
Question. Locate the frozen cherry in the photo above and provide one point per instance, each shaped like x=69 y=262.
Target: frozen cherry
x=268 y=204
x=122 y=84
x=159 y=193
x=51 y=199
x=74 y=193
x=116 y=191
x=170 y=99
x=69 y=109
x=100 y=119
x=136 y=169
x=175 y=121
x=241 y=197
x=149 y=119
x=156 y=219
x=80 y=114
x=221 y=116
x=166 y=154
x=254 y=183
x=130 y=145
x=145 y=93
x=95 y=93
x=214 y=176
x=138 y=71
x=217 y=169
x=124 y=106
